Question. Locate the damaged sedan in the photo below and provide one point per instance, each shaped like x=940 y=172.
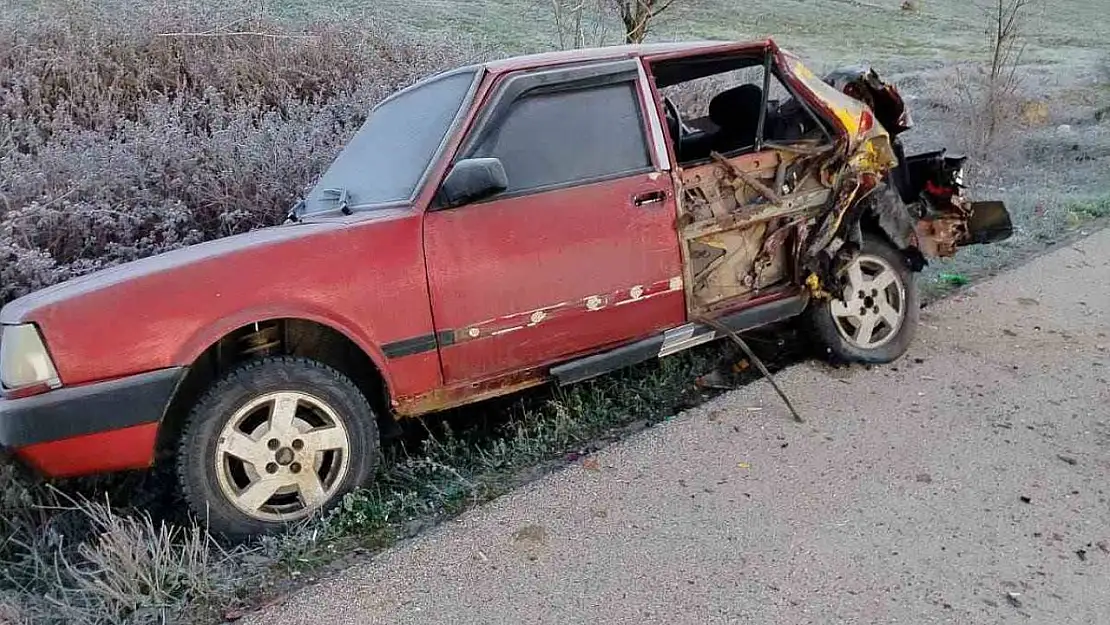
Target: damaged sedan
x=542 y=218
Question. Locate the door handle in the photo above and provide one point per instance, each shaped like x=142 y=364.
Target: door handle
x=651 y=197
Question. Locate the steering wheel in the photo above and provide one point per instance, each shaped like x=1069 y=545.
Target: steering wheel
x=672 y=112
x=676 y=124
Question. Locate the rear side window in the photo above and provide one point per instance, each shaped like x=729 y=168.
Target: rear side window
x=564 y=137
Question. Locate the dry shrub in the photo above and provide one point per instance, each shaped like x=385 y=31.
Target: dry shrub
x=117 y=142
x=990 y=94
x=582 y=23
x=79 y=562
x=986 y=118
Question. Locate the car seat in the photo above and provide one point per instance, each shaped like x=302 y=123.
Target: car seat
x=736 y=113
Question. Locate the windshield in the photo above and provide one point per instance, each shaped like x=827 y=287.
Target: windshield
x=387 y=158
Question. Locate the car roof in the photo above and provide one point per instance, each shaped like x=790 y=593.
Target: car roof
x=585 y=55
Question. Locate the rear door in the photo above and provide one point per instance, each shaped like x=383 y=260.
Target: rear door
x=580 y=251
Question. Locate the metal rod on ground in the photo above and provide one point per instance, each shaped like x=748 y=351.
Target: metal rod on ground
x=718 y=326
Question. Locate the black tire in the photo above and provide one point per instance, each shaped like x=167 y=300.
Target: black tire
x=319 y=393
x=827 y=329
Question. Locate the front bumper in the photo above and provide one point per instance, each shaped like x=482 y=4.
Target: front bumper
x=90 y=428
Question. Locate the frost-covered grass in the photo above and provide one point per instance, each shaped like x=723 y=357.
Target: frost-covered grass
x=117 y=143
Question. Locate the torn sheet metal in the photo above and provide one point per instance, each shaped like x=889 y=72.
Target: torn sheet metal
x=795 y=213
x=740 y=216
x=917 y=201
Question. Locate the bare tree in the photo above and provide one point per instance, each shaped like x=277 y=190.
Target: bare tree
x=581 y=23
x=990 y=94
x=637 y=16
x=1006 y=38
x=584 y=23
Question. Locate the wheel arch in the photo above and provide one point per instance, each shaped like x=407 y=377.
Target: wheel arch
x=884 y=215
x=823 y=327
x=239 y=340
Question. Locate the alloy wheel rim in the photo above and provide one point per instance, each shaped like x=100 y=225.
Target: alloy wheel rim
x=872 y=307
x=282 y=456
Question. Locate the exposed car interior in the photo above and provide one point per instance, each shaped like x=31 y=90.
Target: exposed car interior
x=731 y=123
x=743 y=144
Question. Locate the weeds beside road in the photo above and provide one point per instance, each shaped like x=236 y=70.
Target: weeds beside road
x=124 y=138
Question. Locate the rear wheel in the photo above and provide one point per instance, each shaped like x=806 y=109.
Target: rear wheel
x=874 y=318
x=275 y=441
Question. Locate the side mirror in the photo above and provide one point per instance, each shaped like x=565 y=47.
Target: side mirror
x=473 y=179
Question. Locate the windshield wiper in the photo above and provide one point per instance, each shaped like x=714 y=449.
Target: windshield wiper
x=296 y=212
x=342 y=198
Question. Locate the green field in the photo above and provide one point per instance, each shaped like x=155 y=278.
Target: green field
x=941 y=30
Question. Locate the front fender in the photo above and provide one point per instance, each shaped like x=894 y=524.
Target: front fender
x=884 y=212
x=194 y=346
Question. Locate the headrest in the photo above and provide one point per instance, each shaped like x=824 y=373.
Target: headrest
x=738 y=106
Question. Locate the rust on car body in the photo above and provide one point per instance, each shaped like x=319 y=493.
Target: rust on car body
x=460 y=394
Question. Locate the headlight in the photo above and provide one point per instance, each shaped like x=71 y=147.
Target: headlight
x=24 y=361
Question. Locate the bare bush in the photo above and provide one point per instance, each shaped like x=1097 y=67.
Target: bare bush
x=125 y=138
x=1007 y=19
x=990 y=94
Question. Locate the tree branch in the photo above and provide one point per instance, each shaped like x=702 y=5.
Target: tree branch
x=666 y=5
x=237 y=34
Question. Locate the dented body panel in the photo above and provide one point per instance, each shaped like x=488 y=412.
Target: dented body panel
x=533 y=280
x=738 y=214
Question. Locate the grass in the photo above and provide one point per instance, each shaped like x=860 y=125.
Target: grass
x=841 y=30
x=73 y=558
x=476 y=453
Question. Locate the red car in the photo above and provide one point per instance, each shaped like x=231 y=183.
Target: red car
x=491 y=228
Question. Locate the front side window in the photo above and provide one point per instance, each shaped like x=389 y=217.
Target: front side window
x=549 y=139
x=733 y=111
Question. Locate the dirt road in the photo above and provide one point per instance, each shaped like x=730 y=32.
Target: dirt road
x=967 y=483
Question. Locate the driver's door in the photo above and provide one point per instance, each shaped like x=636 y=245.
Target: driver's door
x=580 y=251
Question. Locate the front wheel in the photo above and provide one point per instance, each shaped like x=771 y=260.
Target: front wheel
x=874 y=318
x=275 y=441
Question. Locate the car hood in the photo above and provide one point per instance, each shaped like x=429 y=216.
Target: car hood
x=23 y=309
